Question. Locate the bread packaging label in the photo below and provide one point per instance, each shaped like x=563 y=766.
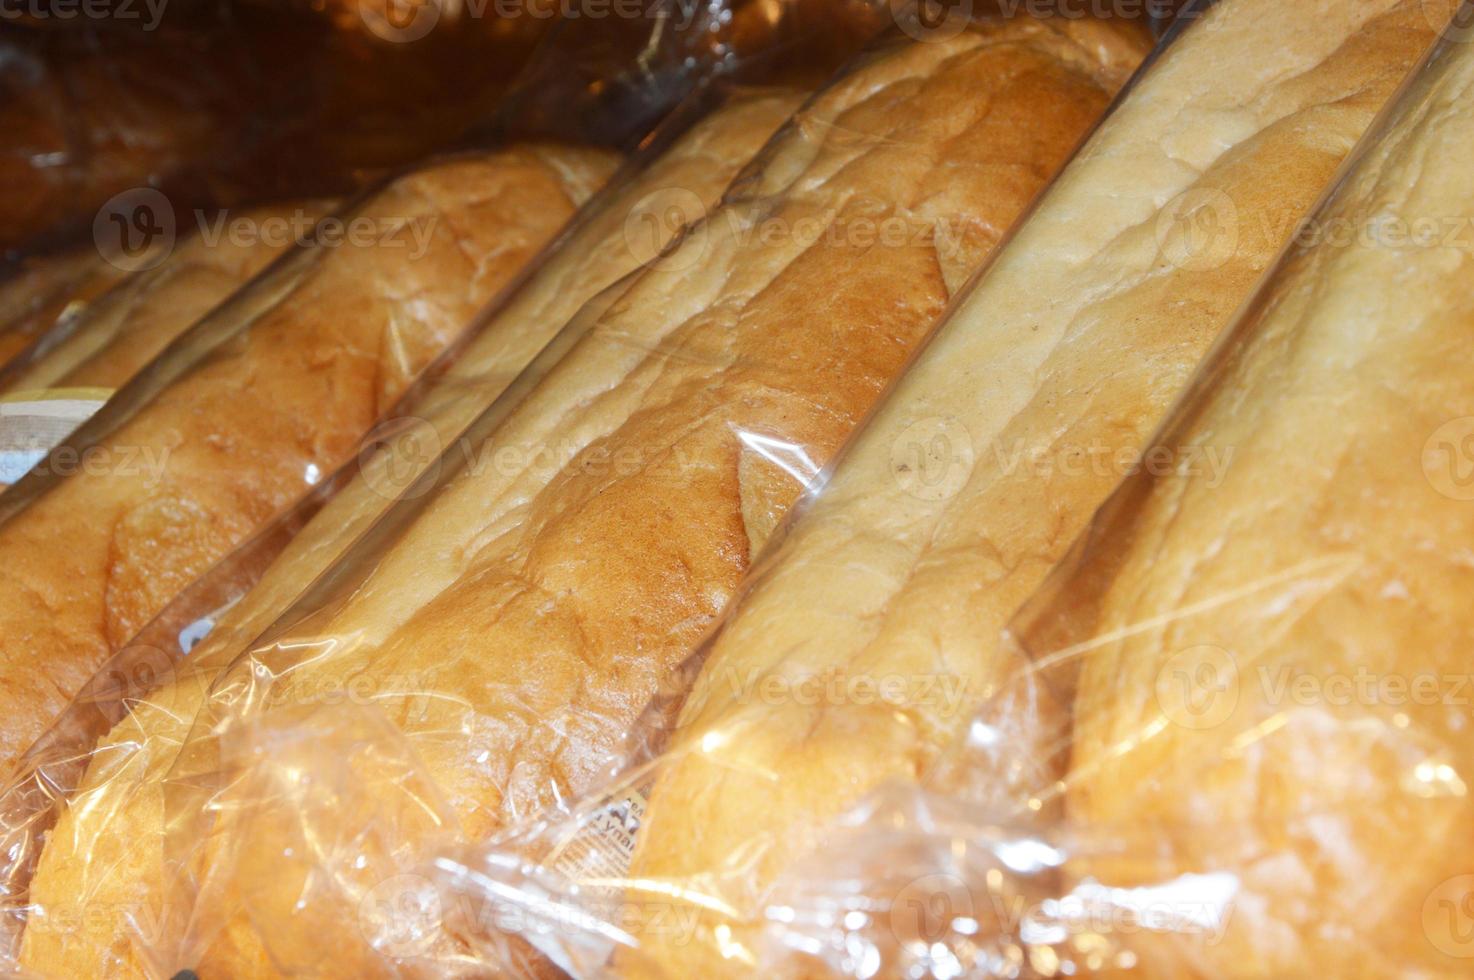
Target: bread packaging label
x=32 y=423
x=604 y=844
x=596 y=854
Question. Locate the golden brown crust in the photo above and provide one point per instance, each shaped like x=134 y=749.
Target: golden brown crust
x=45 y=292
x=261 y=417
x=115 y=861
x=115 y=338
x=1315 y=598
x=536 y=611
x=599 y=255
x=867 y=644
x=611 y=575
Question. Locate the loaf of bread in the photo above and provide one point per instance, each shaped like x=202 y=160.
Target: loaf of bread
x=597 y=256
x=118 y=335
x=1275 y=688
x=513 y=630
x=109 y=862
x=871 y=636
x=258 y=420
x=235 y=103
x=84 y=121
x=45 y=292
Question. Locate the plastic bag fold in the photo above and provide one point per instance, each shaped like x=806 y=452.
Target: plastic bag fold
x=1233 y=740
x=42 y=293
x=120 y=332
x=679 y=404
x=860 y=649
x=713 y=132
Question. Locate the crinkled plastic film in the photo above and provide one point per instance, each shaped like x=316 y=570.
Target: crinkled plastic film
x=1267 y=665
x=286 y=296
x=857 y=655
x=618 y=230
x=1231 y=738
x=93 y=348
x=607 y=94
x=286 y=557
x=727 y=436
x=251 y=405
x=1290 y=804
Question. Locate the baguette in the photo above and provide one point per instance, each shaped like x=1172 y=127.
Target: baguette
x=535 y=612
x=84 y=121
x=1316 y=596
x=116 y=337
x=245 y=104
x=46 y=292
x=869 y=640
x=107 y=849
x=252 y=424
x=702 y=163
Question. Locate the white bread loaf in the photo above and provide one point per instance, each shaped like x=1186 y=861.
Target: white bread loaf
x=1314 y=599
x=107 y=849
x=702 y=164
x=257 y=420
x=117 y=335
x=44 y=292
x=870 y=638
x=528 y=615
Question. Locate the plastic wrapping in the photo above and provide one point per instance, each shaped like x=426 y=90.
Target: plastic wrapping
x=308 y=539
x=245 y=411
x=615 y=233
x=44 y=293
x=860 y=650
x=259 y=401
x=70 y=371
x=1252 y=747
x=603 y=91
x=231 y=104
x=119 y=333
x=667 y=413
x=715 y=131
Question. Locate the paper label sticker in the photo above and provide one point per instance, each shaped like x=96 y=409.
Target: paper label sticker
x=595 y=855
x=33 y=422
x=605 y=843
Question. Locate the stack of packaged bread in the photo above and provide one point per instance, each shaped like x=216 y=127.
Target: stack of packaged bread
x=864 y=490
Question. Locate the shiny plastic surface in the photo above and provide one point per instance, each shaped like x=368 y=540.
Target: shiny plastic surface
x=103 y=343
x=858 y=659
x=42 y=294
x=1249 y=749
x=617 y=231
x=232 y=104
x=237 y=428
x=668 y=423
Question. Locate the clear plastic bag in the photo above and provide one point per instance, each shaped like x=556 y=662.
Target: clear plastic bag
x=125 y=328
x=43 y=293
x=618 y=230
x=233 y=104
x=70 y=371
x=701 y=433
x=249 y=589
x=259 y=401
x=1252 y=748
x=248 y=408
x=859 y=651
x=188 y=260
